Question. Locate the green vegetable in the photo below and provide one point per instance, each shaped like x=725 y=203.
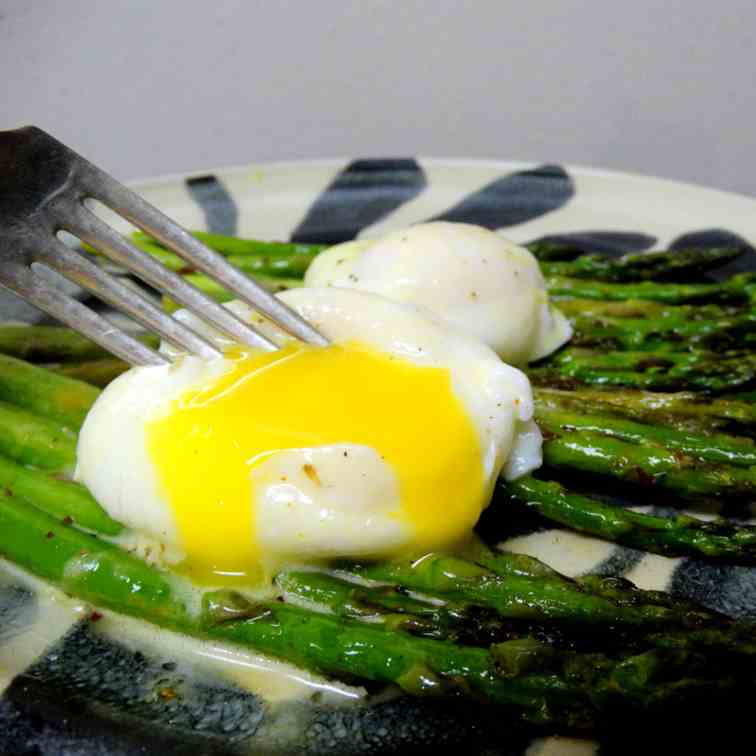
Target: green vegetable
x=219 y=294
x=643 y=309
x=670 y=334
x=96 y=372
x=44 y=393
x=233 y=245
x=668 y=371
x=671 y=536
x=565 y=688
x=278 y=259
x=516 y=596
x=647 y=466
x=731 y=291
x=547 y=251
x=59 y=497
x=710 y=448
x=51 y=344
x=87 y=567
x=642 y=266
x=34 y=440
x=677 y=410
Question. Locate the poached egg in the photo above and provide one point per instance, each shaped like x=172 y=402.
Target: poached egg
x=385 y=443
x=473 y=279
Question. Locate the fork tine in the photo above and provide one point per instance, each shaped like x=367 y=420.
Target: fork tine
x=29 y=285
x=147 y=217
x=82 y=222
x=88 y=275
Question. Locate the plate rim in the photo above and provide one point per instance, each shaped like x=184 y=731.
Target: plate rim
x=505 y=165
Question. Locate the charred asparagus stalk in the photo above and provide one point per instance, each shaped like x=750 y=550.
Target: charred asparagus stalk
x=541 y=685
x=681 y=410
x=736 y=290
x=670 y=334
x=717 y=448
x=669 y=371
x=647 y=466
x=645 y=266
x=671 y=536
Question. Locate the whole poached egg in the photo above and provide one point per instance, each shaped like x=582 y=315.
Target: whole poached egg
x=471 y=278
x=385 y=443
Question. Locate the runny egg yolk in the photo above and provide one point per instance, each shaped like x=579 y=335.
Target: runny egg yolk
x=207 y=442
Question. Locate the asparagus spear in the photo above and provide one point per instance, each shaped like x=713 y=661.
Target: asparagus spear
x=170 y=259
x=652 y=467
x=670 y=536
x=653 y=407
x=60 y=498
x=103 y=574
x=643 y=266
x=670 y=371
x=547 y=687
x=552 y=251
x=96 y=372
x=662 y=335
x=219 y=294
x=748 y=397
x=233 y=245
x=273 y=259
x=87 y=567
x=521 y=597
x=732 y=291
x=44 y=393
x=392 y=608
x=618 y=590
x=565 y=688
x=644 y=309
x=713 y=448
x=559 y=600
x=52 y=344
x=440 y=617
x=65 y=499
x=34 y=440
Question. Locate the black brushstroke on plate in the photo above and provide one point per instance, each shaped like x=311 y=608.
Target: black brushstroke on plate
x=162 y=691
x=622 y=559
x=505 y=519
x=404 y=725
x=218 y=206
x=720 y=237
x=89 y=694
x=726 y=588
x=515 y=198
x=15 y=602
x=710 y=237
x=41 y=719
x=609 y=243
x=619 y=562
x=363 y=193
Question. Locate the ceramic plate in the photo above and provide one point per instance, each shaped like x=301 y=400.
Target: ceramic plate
x=69 y=685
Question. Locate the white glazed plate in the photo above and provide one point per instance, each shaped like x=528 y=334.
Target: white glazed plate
x=81 y=691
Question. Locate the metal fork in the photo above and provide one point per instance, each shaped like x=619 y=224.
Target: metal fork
x=43 y=188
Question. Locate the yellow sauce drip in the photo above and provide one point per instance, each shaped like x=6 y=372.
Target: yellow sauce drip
x=206 y=444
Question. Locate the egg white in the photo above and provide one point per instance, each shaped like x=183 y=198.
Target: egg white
x=349 y=513
x=472 y=278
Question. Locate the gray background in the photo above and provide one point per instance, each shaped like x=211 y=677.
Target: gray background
x=147 y=87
